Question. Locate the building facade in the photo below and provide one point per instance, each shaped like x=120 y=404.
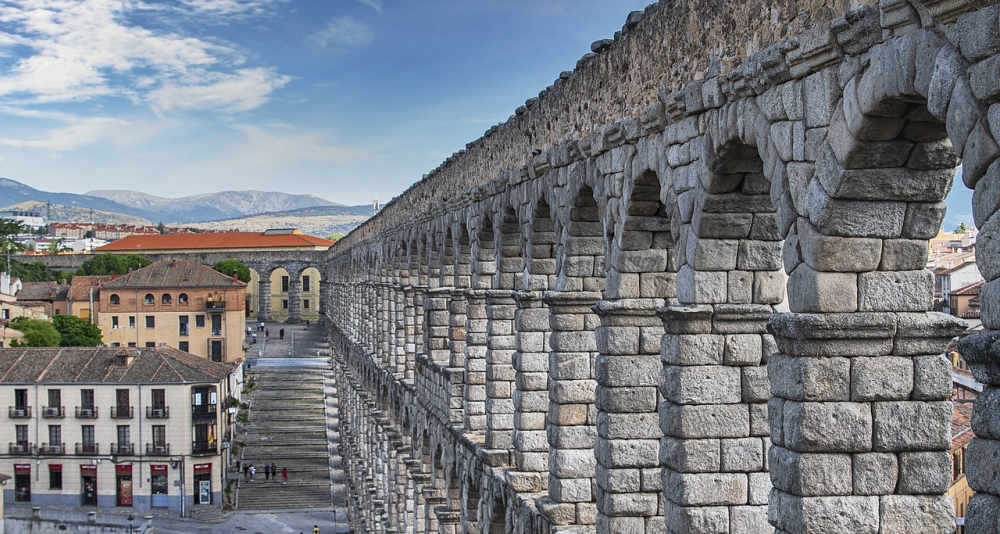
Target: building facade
x=115 y=427
x=178 y=303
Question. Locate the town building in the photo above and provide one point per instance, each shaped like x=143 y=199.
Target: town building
x=949 y=279
x=51 y=296
x=176 y=303
x=116 y=427
x=284 y=291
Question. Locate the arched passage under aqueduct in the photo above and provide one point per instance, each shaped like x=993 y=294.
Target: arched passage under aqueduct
x=683 y=290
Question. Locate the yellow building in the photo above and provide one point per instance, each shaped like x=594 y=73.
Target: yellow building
x=178 y=303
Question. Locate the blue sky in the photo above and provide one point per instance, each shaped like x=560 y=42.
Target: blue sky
x=337 y=98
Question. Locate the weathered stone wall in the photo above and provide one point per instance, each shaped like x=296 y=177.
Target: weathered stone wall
x=699 y=305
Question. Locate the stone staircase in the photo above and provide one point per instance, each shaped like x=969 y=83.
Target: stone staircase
x=288 y=427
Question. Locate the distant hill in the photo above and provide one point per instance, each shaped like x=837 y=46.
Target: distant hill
x=63 y=213
x=317 y=220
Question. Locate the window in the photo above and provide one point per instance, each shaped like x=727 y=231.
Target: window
x=131 y=322
x=159 y=435
x=5 y=313
x=216 y=350
x=305 y=283
x=159 y=398
x=182 y=298
x=115 y=300
x=131 y=343
x=305 y=304
x=55 y=436
x=284 y=304
x=21 y=432
x=123 y=437
x=165 y=299
x=182 y=325
x=150 y=344
x=199 y=321
x=87 y=399
x=55 y=398
x=114 y=322
x=55 y=477
x=284 y=284
x=216 y=325
x=116 y=344
x=20 y=399
x=121 y=401
x=150 y=321
x=148 y=300
x=183 y=345
x=87 y=433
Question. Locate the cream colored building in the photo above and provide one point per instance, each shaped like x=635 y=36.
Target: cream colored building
x=178 y=303
x=115 y=427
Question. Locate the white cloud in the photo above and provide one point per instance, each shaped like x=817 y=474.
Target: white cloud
x=343 y=31
x=79 y=133
x=80 y=51
x=374 y=4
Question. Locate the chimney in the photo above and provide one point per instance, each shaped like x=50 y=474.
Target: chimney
x=236 y=276
x=173 y=263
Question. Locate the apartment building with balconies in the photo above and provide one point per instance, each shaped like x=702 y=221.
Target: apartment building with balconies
x=112 y=427
x=178 y=303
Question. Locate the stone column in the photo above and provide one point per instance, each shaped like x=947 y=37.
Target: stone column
x=325 y=298
x=475 y=363
x=294 y=301
x=264 y=298
x=500 y=385
x=436 y=320
x=410 y=330
x=531 y=399
x=572 y=415
x=627 y=371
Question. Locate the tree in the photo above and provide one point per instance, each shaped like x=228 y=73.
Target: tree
x=9 y=228
x=962 y=228
x=37 y=272
x=104 y=264
x=37 y=333
x=160 y=228
x=227 y=267
x=75 y=332
x=337 y=236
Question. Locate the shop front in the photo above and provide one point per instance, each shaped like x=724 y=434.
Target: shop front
x=22 y=482
x=159 y=486
x=88 y=481
x=123 y=485
x=203 y=483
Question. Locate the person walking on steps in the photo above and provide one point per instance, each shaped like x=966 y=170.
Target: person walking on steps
x=284 y=475
x=267 y=472
x=281 y=334
x=274 y=471
x=253 y=471
x=246 y=472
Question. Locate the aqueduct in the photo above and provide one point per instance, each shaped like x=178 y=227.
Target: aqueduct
x=683 y=289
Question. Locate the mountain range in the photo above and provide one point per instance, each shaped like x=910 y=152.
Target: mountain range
x=246 y=210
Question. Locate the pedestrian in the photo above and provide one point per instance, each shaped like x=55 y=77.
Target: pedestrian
x=315 y=529
x=307 y=324
x=253 y=471
x=246 y=472
x=281 y=334
x=267 y=472
x=284 y=475
x=254 y=339
x=237 y=466
x=249 y=330
x=274 y=471
x=260 y=327
x=266 y=333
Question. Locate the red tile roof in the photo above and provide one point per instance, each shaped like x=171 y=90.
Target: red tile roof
x=80 y=286
x=215 y=241
x=961 y=424
x=173 y=273
x=969 y=290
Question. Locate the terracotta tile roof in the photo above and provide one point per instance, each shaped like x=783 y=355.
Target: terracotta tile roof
x=86 y=365
x=969 y=290
x=80 y=286
x=215 y=241
x=42 y=291
x=946 y=270
x=175 y=273
x=961 y=424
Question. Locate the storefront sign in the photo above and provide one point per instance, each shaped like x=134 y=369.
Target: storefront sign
x=202 y=468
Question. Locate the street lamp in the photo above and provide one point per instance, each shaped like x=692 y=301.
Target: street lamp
x=130 y=518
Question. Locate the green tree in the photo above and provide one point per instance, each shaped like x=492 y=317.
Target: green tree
x=76 y=332
x=337 y=236
x=37 y=272
x=962 y=228
x=227 y=267
x=160 y=228
x=37 y=333
x=9 y=228
x=104 y=264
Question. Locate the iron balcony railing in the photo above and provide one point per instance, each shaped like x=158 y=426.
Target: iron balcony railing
x=54 y=412
x=87 y=412
x=22 y=448
x=121 y=412
x=88 y=448
x=123 y=448
x=52 y=448
x=203 y=447
x=158 y=449
x=158 y=412
x=19 y=412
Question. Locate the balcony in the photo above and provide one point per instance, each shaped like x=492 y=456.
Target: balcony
x=121 y=412
x=19 y=412
x=203 y=447
x=215 y=307
x=21 y=449
x=52 y=448
x=87 y=412
x=157 y=412
x=54 y=412
x=203 y=412
x=157 y=449
x=88 y=448
x=127 y=449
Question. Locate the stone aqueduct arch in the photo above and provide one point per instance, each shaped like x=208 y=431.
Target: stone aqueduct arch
x=709 y=313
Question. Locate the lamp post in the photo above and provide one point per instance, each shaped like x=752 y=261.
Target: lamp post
x=131 y=518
